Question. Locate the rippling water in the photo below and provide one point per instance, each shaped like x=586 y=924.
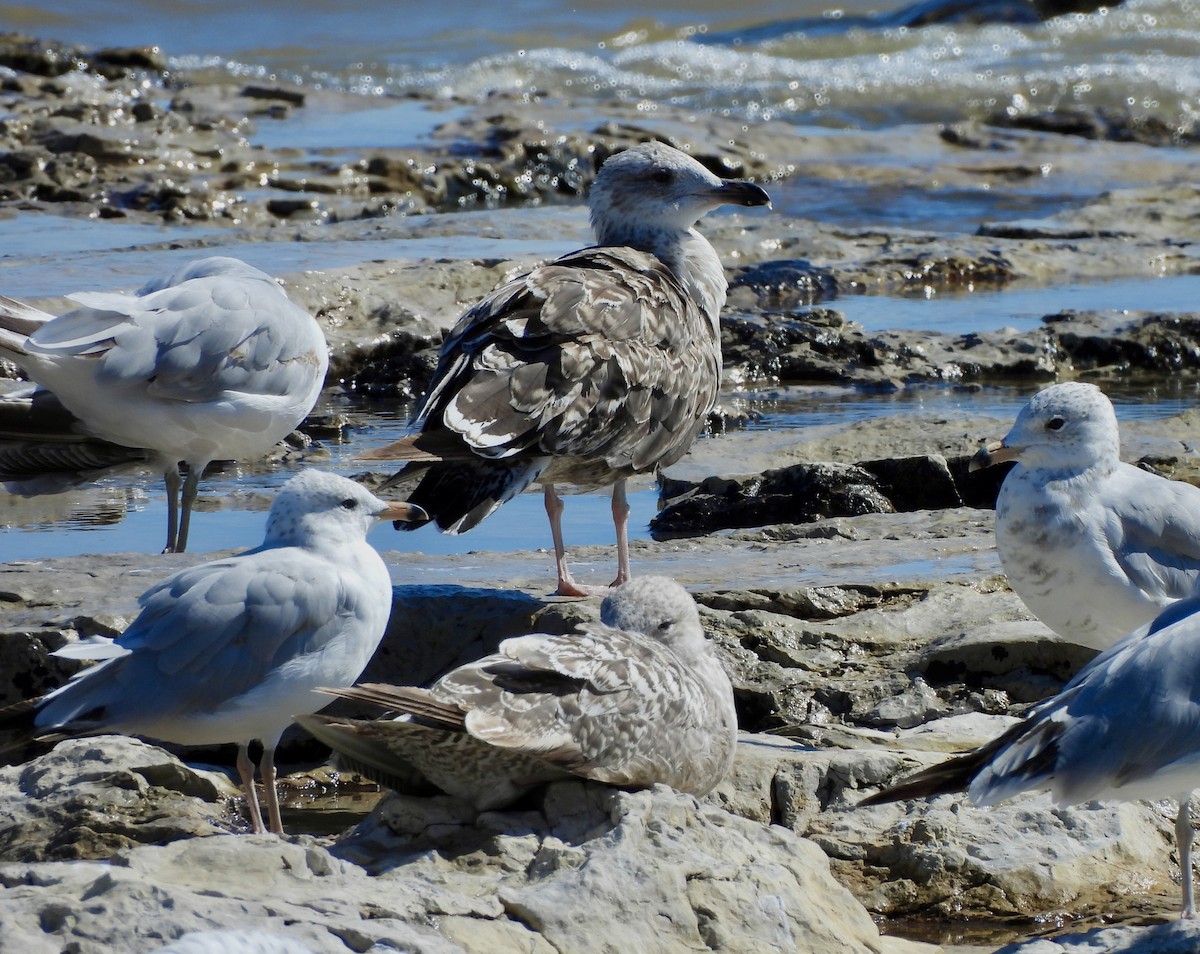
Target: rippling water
x=798 y=60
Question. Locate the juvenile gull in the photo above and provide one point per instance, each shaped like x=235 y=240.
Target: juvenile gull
x=210 y=362
x=228 y=651
x=599 y=365
x=1093 y=546
x=1125 y=727
x=637 y=699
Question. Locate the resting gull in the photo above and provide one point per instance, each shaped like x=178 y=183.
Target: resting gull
x=210 y=362
x=599 y=365
x=1125 y=727
x=637 y=699
x=1094 y=547
x=229 y=650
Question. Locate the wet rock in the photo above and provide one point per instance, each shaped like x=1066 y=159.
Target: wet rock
x=782 y=284
x=1153 y=342
x=806 y=492
x=1173 y=937
x=1116 y=124
x=29 y=55
x=797 y=494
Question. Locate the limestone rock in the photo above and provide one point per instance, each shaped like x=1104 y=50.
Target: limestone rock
x=87 y=798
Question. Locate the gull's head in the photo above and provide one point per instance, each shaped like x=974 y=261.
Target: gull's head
x=653 y=187
x=319 y=507
x=1066 y=428
x=658 y=607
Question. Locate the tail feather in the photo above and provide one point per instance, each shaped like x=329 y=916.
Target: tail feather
x=953 y=775
x=409 y=700
x=458 y=495
x=356 y=750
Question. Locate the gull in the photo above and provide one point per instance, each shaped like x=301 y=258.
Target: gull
x=596 y=366
x=1126 y=727
x=227 y=651
x=637 y=699
x=209 y=362
x=1093 y=546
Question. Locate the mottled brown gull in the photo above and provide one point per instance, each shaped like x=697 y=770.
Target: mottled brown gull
x=1126 y=727
x=599 y=365
x=209 y=362
x=1095 y=547
x=229 y=650
x=637 y=699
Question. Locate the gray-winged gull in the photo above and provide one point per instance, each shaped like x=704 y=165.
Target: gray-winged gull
x=1126 y=727
x=209 y=362
x=599 y=365
x=1093 y=546
x=229 y=650
x=637 y=699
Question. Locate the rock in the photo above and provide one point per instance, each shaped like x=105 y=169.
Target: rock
x=1117 y=124
x=89 y=798
x=944 y=858
x=807 y=492
x=591 y=869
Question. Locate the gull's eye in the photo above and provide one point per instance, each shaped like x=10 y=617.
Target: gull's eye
x=664 y=625
x=1055 y=424
x=663 y=176
x=349 y=503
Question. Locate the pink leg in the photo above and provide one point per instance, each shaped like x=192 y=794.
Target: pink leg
x=267 y=768
x=566 y=584
x=620 y=512
x=246 y=770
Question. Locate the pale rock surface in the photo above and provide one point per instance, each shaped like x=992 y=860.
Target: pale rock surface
x=585 y=869
x=87 y=798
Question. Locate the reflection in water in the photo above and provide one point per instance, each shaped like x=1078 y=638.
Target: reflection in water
x=126 y=513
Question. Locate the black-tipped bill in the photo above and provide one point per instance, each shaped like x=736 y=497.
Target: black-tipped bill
x=994 y=453
x=739 y=192
x=403 y=512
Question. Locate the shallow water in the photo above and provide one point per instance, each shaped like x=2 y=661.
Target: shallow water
x=128 y=512
x=691 y=56
x=804 y=61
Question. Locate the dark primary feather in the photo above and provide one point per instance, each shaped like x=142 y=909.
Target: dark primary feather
x=43 y=448
x=410 y=700
x=956 y=774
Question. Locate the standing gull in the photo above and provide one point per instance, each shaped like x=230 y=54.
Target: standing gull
x=1093 y=546
x=637 y=699
x=211 y=362
x=228 y=651
x=1126 y=727
x=601 y=364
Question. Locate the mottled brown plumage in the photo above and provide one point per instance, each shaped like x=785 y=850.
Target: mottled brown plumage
x=599 y=365
x=635 y=700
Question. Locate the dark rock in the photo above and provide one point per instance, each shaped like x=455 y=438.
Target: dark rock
x=126 y=58
x=808 y=492
x=293 y=96
x=797 y=494
x=1100 y=123
x=28 y=55
x=1157 y=342
x=786 y=283
x=915 y=483
x=816 y=345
